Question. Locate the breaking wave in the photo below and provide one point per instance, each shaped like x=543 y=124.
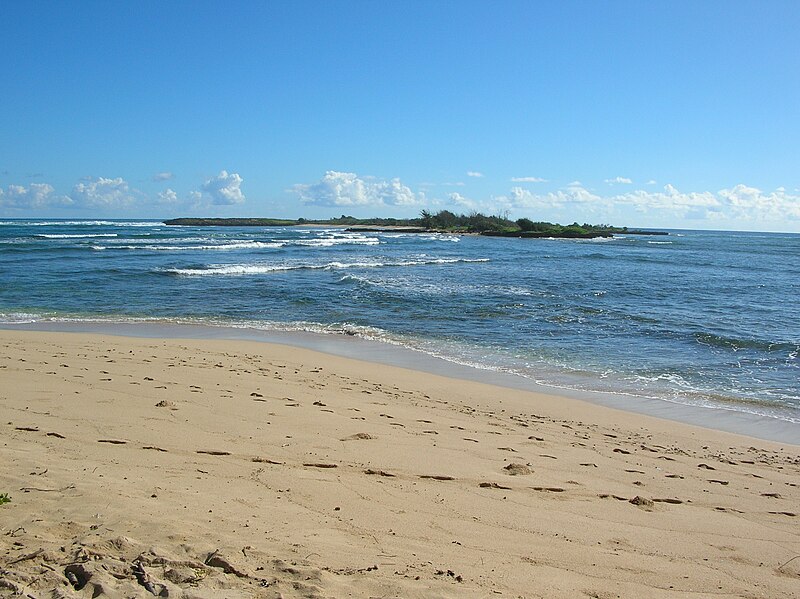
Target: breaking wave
x=260 y=269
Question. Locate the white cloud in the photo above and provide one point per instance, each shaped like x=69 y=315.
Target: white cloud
x=102 y=193
x=457 y=199
x=168 y=196
x=737 y=203
x=528 y=180
x=763 y=206
x=624 y=180
x=36 y=195
x=652 y=182
x=572 y=194
x=165 y=176
x=474 y=174
x=224 y=189
x=348 y=189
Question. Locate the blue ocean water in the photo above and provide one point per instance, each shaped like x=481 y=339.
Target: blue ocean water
x=697 y=317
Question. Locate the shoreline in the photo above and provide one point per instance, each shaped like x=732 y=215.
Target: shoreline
x=206 y=468
x=379 y=352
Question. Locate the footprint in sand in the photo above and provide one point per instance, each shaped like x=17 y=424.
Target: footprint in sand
x=358 y=437
x=607 y=495
x=515 y=469
x=112 y=441
x=379 y=472
x=641 y=501
x=493 y=486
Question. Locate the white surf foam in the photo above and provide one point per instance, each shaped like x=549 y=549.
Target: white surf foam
x=258 y=269
x=66 y=236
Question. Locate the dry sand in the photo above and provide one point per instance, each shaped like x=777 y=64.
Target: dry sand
x=141 y=467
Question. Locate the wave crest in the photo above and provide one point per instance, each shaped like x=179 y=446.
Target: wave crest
x=260 y=269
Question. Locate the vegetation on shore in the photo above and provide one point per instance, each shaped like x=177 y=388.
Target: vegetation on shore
x=443 y=221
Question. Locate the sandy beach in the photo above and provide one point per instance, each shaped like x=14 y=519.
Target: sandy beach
x=167 y=467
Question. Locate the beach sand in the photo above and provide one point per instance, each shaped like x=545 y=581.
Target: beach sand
x=140 y=467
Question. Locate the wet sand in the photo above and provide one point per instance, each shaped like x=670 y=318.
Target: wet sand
x=212 y=468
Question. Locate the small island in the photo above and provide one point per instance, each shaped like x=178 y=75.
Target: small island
x=442 y=222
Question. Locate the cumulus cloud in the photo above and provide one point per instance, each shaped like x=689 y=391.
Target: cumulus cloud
x=224 y=189
x=474 y=174
x=168 y=196
x=572 y=194
x=528 y=180
x=774 y=205
x=36 y=195
x=652 y=182
x=165 y=176
x=100 y=192
x=348 y=189
x=739 y=202
x=457 y=199
x=624 y=180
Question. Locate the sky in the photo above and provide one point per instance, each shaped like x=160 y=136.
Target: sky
x=678 y=114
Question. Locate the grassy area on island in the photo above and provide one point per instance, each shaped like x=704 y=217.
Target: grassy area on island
x=443 y=221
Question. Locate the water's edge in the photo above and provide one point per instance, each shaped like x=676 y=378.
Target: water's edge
x=717 y=418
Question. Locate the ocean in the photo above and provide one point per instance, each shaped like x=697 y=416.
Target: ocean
x=695 y=318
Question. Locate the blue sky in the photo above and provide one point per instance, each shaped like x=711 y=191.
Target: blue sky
x=663 y=114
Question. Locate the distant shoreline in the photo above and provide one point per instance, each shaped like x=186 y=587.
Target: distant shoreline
x=377 y=226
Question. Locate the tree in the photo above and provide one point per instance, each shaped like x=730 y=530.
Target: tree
x=427 y=219
x=525 y=224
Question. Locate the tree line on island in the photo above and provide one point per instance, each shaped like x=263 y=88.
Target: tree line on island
x=443 y=221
